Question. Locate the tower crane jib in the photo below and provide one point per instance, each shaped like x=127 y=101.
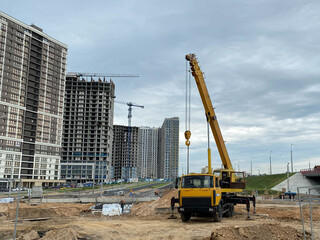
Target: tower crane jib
x=113 y=75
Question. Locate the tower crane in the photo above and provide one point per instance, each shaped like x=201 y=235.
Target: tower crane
x=81 y=74
x=130 y=105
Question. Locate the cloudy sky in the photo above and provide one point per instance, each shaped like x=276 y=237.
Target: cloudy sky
x=261 y=60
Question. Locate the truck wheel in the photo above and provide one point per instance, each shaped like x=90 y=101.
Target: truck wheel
x=185 y=217
x=218 y=214
x=230 y=211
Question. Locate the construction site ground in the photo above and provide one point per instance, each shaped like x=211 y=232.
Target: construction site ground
x=149 y=220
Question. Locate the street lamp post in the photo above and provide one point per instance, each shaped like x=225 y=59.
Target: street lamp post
x=309 y=165
x=291 y=158
x=93 y=176
x=100 y=157
x=288 y=177
x=270 y=164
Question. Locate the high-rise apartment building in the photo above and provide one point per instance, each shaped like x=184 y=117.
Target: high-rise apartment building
x=168 y=163
x=148 y=142
x=124 y=155
x=87 y=130
x=32 y=81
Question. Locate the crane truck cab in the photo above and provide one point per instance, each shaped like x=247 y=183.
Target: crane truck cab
x=209 y=195
x=199 y=195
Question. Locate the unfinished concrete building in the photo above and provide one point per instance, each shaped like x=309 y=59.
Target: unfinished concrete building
x=87 y=130
x=32 y=81
x=124 y=161
x=148 y=152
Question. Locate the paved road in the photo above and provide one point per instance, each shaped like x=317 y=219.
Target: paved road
x=118 y=190
x=106 y=192
x=126 y=191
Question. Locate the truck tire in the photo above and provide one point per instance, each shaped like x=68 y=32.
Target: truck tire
x=217 y=216
x=185 y=217
x=230 y=211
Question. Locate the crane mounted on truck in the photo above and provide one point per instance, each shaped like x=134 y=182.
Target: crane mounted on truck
x=212 y=194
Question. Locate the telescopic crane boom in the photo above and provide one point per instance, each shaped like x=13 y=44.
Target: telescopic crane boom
x=209 y=111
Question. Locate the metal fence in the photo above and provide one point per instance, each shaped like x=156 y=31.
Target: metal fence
x=310 y=199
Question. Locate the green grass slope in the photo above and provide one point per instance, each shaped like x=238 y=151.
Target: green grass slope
x=265 y=181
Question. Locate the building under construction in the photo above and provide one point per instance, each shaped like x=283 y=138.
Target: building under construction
x=124 y=155
x=87 y=129
x=148 y=152
x=168 y=161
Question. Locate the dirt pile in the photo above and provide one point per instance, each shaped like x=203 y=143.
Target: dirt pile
x=63 y=233
x=146 y=209
x=8 y=211
x=72 y=233
x=261 y=232
x=32 y=235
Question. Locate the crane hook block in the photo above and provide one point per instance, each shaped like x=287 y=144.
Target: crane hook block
x=187 y=135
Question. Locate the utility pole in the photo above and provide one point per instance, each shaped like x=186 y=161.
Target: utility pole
x=100 y=155
x=288 y=177
x=270 y=164
x=251 y=166
x=93 y=176
x=309 y=165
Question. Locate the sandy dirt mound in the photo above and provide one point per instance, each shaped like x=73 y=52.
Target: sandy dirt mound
x=61 y=234
x=146 y=209
x=32 y=235
x=261 y=232
x=8 y=211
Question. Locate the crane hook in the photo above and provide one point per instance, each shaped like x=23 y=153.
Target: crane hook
x=187 y=135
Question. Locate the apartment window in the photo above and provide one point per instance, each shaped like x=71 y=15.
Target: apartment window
x=8 y=164
x=9 y=157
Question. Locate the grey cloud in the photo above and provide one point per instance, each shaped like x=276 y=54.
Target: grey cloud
x=261 y=60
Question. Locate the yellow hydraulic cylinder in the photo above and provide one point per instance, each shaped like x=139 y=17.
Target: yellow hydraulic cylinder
x=209 y=160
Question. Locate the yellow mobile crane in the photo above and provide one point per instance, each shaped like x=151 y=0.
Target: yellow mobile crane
x=212 y=194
